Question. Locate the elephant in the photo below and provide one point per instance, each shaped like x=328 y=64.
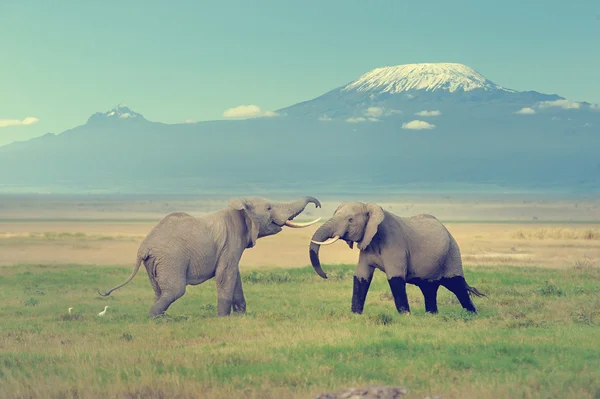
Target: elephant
x=417 y=250
x=183 y=250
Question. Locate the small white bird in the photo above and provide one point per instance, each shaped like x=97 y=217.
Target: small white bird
x=70 y=311
x=103 y=312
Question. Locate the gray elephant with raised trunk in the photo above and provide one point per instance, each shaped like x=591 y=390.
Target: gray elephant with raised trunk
x=417 y=250
x=183 y=250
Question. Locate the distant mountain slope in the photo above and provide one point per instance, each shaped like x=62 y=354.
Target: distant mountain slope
x=427 y=125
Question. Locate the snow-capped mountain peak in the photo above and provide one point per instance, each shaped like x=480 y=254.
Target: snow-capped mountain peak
x=122 y=111
x=449 y=77
x=119 y=113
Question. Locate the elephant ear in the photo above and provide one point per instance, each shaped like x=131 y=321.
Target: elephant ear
x=376 y=216
x=240 y=204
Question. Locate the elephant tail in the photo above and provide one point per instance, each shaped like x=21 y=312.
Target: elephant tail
x=473 y=290
x=135 y=270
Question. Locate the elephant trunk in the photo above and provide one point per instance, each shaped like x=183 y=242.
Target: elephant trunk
x=297 y=207
x=323 y=233
x=290 y=210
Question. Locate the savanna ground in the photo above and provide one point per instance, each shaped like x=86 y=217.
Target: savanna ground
x=536 y=334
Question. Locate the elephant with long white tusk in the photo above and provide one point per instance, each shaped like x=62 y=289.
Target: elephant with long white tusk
x=416 y=250
x=183 y=250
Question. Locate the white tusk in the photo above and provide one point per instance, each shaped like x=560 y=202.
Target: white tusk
x=300 y=225
x=328 y=241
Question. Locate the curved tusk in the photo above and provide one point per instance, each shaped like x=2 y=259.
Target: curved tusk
x=289 y=223
x=329 y=241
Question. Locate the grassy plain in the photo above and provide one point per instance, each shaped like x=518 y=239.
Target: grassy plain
x=536 y=336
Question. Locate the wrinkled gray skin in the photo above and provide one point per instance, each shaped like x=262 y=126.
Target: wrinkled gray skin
x=184 y=250
x=417 y=250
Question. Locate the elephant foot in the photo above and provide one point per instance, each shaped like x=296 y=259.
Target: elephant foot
x=224 y=307
x=398 y=288
x=156 y=311
x=458 y=286
x=239 y=307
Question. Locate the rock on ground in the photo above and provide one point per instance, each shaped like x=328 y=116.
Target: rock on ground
x=368 y=392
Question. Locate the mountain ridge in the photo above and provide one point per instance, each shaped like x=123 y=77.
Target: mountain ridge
x=397 y=133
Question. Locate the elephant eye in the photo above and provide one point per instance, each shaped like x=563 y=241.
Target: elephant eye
x=268 y=208
x=351 y=220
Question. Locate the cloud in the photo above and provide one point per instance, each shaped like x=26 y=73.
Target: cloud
x=361 y=119
x=356 y=120
x=189 y=121
x=374 y=112
x=325 y=118
x=526 y=111
x=429 y=113
x=30 y=120
x=269 y=113
x=595 y=107
x=418 y=125
x=247 y=111
x=564 y=104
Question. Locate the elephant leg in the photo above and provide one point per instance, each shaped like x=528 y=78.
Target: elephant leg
x=429 y=290
x=227 y=274
x=171 y=290
x=239 y=302
x=398 y=288
x=362 y=281
x=149 y=264
x=458 y=286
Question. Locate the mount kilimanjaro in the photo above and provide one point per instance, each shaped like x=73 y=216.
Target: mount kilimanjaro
x=416 y=126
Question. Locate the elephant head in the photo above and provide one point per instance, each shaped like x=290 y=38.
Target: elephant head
x=265 y=217
x=352 y=222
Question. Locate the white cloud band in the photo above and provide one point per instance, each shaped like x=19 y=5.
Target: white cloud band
x=526 y=111
x=434 y=112
x=564 y=104
x=418 y=125
x=30 y=120
x=246 y=111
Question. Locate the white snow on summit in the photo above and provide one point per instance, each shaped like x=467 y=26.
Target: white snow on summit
x=122 y=111
x=425 y=76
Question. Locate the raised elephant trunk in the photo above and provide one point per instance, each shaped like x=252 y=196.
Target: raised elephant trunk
x=292 y=209
x=323 y=233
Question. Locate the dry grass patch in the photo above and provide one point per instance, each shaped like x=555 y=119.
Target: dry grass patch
x=557 y=233
x=63 y=236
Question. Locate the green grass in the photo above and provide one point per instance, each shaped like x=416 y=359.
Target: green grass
x=537 y=335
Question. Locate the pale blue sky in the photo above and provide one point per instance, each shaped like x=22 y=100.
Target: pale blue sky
x=61 y=61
